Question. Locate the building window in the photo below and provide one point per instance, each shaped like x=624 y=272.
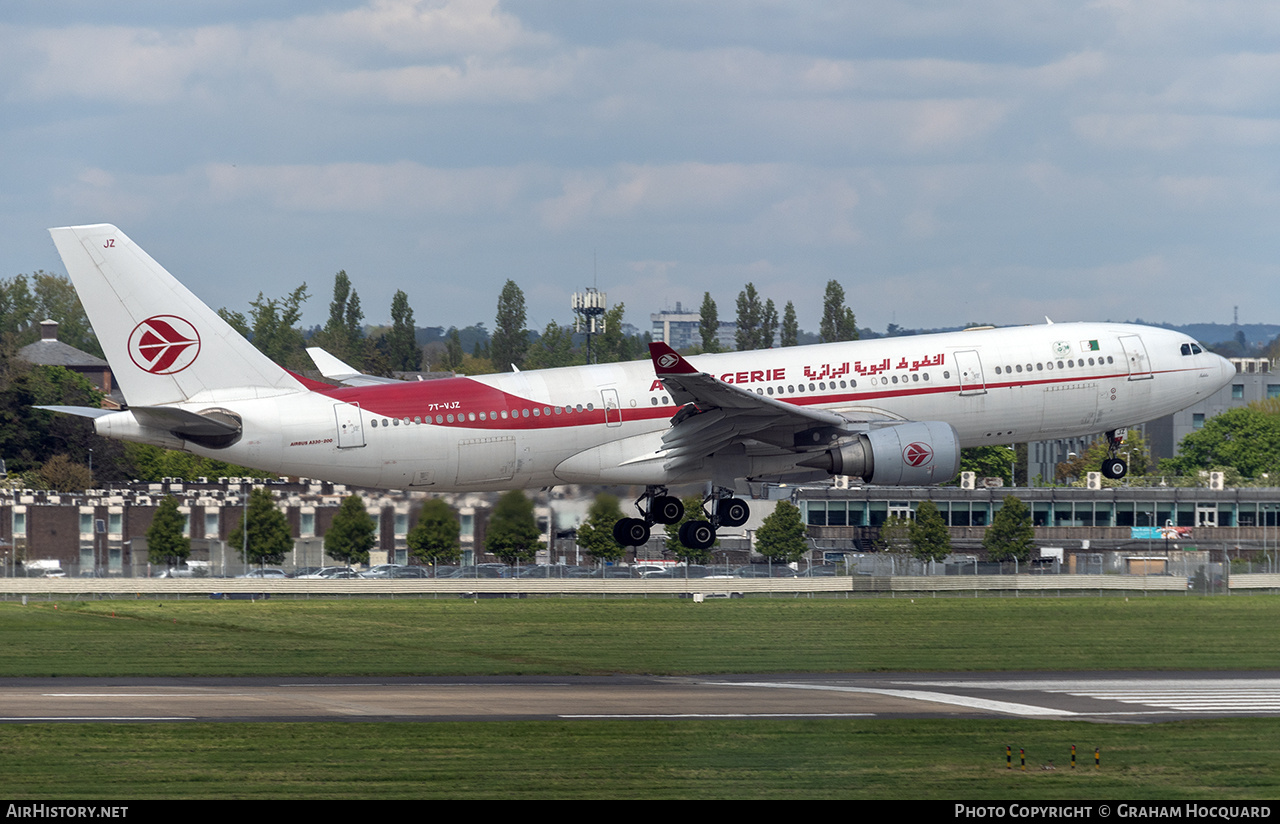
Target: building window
x=1237 y=391
x=1197 y=420
x=1273 y=390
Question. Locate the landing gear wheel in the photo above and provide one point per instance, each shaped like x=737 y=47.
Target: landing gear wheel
x=1114 y=468
x=733 y=511
x=697 y=535
x=631 y=532
x=667 y=509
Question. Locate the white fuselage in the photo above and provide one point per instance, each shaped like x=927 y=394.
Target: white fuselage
x=604 y=423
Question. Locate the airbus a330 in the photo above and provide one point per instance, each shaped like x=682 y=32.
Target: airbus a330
x=893 y=411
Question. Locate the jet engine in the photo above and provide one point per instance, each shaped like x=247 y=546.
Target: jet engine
x=907 y=454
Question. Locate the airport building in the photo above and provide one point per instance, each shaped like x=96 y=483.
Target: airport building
x=681 y=330
x=105 y=530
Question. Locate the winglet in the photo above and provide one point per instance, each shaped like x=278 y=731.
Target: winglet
x=667 y=361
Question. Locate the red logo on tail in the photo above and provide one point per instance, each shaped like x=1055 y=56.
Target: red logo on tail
x=917 y=454
x=164 y=344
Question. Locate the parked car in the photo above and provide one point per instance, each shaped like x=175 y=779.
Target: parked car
x=332 y=572
x=381 y=571
x=267 y=572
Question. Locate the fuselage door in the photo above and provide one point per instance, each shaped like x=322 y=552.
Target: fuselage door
x=969 y=365
x=612 y=407
x=350 y=428
x=1135 y=352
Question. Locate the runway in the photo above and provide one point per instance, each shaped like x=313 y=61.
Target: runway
x=1131 y=697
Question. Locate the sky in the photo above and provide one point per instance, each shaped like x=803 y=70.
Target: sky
x=992 y=161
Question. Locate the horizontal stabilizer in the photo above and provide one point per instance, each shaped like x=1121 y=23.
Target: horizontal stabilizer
x=336 y=370
x=82 y=411
x=214 y=428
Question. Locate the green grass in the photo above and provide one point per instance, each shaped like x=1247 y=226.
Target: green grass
x=945 y=759
x=577 y=636
x=1208 y=760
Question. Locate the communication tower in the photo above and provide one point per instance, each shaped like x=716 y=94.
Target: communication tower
x=589 y=308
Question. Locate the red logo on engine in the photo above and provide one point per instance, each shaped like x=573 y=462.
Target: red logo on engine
x=917 y=454
x=164 y=344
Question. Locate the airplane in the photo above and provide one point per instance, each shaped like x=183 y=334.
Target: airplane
x=893 y=411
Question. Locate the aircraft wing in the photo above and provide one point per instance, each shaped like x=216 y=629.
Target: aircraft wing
x=336 y=370
x=715 y=414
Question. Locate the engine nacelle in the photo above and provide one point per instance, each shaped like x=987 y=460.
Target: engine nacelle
x=908 y=454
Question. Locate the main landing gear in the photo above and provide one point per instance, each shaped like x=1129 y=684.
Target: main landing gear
x=1113 y=466
x=658 y=507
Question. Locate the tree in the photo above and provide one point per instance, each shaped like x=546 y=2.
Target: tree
x=26 y=300
x=613 y=346
x=377 y=357
x=343 y=333
x=1246 y=438
x=837 y=319
x=1011 y=535
x=768 y=325
x=269 y=537
x=28 y=436
x=930 y=540
x=434 y=539
x=61 y=474
x=781 y=536
x=401 y=340
x=749 y=317
x=790 y=327
x=165 y=542
x=512 y=533
x=453 y=352
x=595 y=534
x=554 y=347
x=151 y=463
x=352 y=533
x=709 y=324
x=993 y=461
x=894 y=534
x=510 y=339
x=272 y=327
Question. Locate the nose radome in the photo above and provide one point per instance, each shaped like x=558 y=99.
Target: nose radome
x=1226 y=371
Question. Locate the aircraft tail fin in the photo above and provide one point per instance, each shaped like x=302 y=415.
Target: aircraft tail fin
x=164 y=345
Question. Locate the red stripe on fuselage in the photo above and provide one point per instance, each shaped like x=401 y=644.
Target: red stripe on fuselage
x=465 y=399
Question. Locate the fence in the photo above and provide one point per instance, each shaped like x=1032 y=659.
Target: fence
x=847 y=585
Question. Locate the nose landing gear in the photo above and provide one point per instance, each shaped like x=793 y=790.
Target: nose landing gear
x=1114 y=467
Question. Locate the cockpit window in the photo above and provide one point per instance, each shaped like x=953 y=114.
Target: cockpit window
x=1191 y=349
